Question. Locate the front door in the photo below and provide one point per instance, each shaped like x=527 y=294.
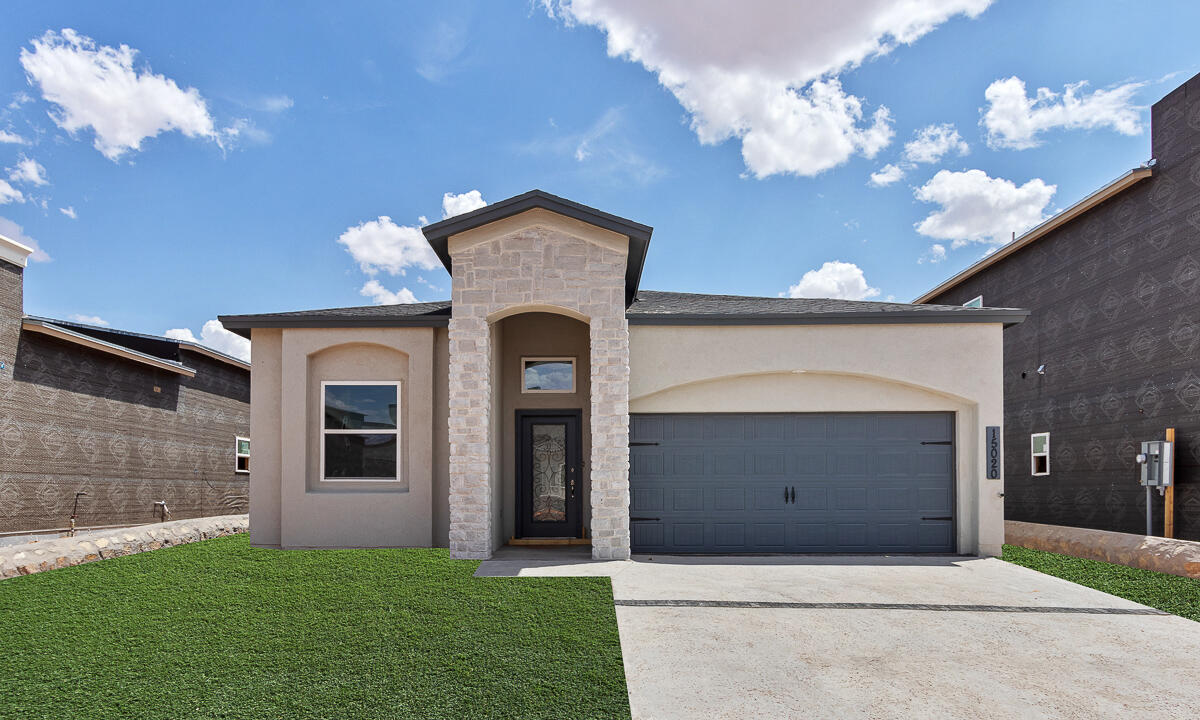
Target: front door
x=549 y=479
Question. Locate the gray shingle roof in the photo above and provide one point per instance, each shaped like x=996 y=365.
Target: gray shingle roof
x=664 y=308
x=429 y=314
x=656 y=308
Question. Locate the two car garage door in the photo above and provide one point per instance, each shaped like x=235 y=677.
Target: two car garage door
x=798 y=482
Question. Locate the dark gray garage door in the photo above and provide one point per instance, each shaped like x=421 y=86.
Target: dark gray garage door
x=800 y=482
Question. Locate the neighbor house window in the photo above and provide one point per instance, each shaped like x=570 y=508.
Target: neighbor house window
x=974 y=302
x=548 y=374
x=241 y=453
x=360 y=431
x=1039 y=448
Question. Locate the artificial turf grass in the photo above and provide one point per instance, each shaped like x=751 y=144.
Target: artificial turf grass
x=1171 y=593
x=219 y=629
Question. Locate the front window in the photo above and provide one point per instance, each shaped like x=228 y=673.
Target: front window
x=360 y=432
x=548 y=375
x=241 y=454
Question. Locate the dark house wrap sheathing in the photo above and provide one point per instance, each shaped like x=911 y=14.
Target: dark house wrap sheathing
x=1115 y=301
x=76 y=419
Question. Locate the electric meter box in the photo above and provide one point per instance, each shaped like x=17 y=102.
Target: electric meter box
x=1156 y=458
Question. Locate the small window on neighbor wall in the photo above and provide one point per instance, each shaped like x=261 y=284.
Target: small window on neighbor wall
x=242 y=455
x=974 y=302
x=360 y=431
x=1039 y=449
x=548 y=375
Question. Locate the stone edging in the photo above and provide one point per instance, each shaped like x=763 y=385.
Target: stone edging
x=1176 y=557
x=35 y=557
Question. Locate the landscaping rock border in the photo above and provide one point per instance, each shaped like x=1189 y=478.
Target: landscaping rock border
x=35 y=557
x=1176 y=557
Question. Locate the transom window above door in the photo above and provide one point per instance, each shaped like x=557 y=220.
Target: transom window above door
x=360 y=431
x=548 y=374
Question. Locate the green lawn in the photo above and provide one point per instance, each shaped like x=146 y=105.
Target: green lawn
x=222 y=630
x=1174 y=594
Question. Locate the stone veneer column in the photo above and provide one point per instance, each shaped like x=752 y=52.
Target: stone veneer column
x=538 y=266
x=470 y=447
x=610 y=438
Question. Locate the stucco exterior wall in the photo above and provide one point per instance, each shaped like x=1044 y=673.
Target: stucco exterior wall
x=441 y=441
x=840 y=368
x=266 y=444
x=315 y=513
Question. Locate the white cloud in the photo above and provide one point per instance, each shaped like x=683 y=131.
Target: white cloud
x=835 y=279
x=241 y=129
x=12 y=138
x=1014 y=120
x=458 y=204
x=767 y=74
x=275 y=103
x=383 y=245
x=382 y=296
x=215 y=336
x=29 y=171
x=69 y=212
x=933 y=142
x=886 y=175
x=935 y=254
x=88 y=319
x=13 y=231
x=978 y=208
x=603 y=149
x=8 y=193
x=98 y=87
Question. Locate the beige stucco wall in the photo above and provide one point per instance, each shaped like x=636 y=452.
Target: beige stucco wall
x=290 y=505
x=266 y=372
x=441 y=441
x=539 y=335
x=840 y=368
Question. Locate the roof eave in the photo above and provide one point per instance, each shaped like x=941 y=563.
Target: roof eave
x=243 y=324
x=45 y=328
x=1110 y=190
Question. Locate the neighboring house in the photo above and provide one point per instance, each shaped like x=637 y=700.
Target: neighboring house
x=554 y=400
x=131 y=420
x=1113 y=284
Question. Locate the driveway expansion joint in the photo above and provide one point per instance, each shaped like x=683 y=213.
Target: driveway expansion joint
x=936 y=607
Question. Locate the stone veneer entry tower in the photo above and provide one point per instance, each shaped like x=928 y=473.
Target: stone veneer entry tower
x=537 y=253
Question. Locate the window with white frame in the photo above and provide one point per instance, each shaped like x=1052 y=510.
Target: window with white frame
x=547 y=374
x=360 y=431
x=1039 y=453
x=975 y=302
x=241 y=453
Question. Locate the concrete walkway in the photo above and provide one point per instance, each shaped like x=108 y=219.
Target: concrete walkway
x=880 y=637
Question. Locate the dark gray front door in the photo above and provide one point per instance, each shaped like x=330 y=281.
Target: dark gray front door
x=792 y=482
x=549 y=495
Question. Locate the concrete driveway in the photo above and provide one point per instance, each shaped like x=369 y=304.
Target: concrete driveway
x=880 y=637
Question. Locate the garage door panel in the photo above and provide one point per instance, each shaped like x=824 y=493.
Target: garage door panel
x=686 y=462
x=644 y=499
x=862 y=482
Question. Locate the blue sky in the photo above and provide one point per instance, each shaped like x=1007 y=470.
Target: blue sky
x=213 y=166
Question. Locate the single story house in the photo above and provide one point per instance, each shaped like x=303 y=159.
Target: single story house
x=554 y=399
x=112 y=428
x=1109 y=356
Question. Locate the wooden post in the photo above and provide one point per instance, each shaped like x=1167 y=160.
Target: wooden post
x=1169 y=495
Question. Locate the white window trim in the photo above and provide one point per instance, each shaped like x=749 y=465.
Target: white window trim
x=362 y=431
x=971 y=303
x=574 y=378
x=237 y=443
x=1034 y=456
